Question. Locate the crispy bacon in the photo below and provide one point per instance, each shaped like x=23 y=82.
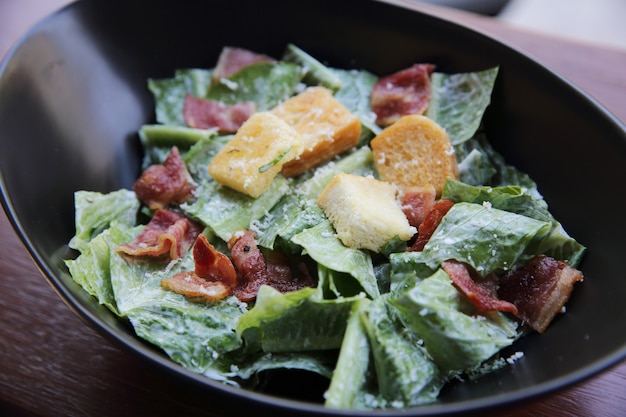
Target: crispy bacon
x=213 y=278
x=191 y=285
x=163 y=184
x=417 y=202
x=231 y=60
x=168 y=234
x=250 y=265
x=211 y=264
x=207 y=114
x=539 y=290
x=254 y=270
x=405 y=92
x=482 y=292
x=430 y=223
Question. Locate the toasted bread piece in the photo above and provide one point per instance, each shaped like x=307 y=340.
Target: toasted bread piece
x=365 y=211
x=255 y=155
x=327 y=126
x=415 y=152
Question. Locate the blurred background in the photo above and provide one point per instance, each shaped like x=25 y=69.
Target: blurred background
x=593 y=21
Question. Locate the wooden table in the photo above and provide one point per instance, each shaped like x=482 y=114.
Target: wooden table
x=52 y=364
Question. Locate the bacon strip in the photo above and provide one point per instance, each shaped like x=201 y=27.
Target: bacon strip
x=168 y=234
x=191 y=285
x=539 y=290
x=482 y=292
x=405 y=92
x=163 y=184
x=214 y=276
x=254 y=270
x=250 y=265
x=231 y=60
x=207 y=114
x=430 y=223
x=417 y=202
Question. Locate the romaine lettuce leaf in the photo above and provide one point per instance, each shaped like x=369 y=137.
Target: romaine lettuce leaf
x=320 y=362
x=196 y=335
x=557 y=244
x=296 y=321
x=352 y=371
x=94 y=212
x=406 y=374
x=265 y=83
x=166 y=135
x=484 y=237
x=458 y=101
x=92 y=270
x=169 y=93
x=315 y=73
x=355 y=92
x=227 y=211
x=454 y=334
x=322 y=244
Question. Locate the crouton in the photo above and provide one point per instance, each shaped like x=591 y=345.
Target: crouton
x=415 y=152
x=328 y=128
x=364 y=211
x=249 y=162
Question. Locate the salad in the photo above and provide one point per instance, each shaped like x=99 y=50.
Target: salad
x=236 y=266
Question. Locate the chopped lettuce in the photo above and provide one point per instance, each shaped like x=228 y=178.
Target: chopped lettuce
x=356 y=86
x=455 y=335
x=557 y=244
x=227 y=211
x=388 y=330
x=315 y=73
x=459 y=101
x=486 y=238
x=349 y=381
x=169 y=93
x=265 y=83
x=322 y=244
x=406 y=374
x=94 y=213
x=297 y=321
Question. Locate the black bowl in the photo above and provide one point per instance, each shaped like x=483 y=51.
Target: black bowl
x=73 y=95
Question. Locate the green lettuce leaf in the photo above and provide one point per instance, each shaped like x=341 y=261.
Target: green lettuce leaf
x=92 y=270
x=265 y=83
x=458 y=101
x=484 y=237
x=169 y=93
x=195 y=335
x=406 y=374
x=352 y=372
x=322 y=244
x=227 y=211
x=355 y=92
x=315 y=73
x=557 y=244
x=455 y=335
x=94 y=212
x=296 y=321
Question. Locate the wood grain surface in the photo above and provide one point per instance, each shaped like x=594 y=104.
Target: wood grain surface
x=53 y=364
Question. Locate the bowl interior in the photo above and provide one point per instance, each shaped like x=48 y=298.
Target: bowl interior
x=73 y=95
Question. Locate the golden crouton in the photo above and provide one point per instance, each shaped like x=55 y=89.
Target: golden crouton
x=328 y=128
x=255 y=155
x=415 y=152
x=365 y=211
